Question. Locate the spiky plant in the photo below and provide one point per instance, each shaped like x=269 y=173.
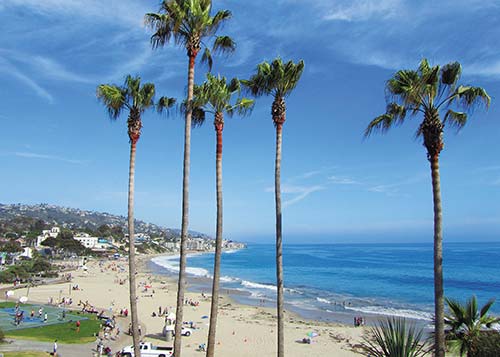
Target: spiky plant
x=136 y=99
x=394 y=337
x=434 y=93
x=189 y=23
x=279 y=80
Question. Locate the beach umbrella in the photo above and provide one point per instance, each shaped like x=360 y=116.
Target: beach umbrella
x=23 y=299
x=9 y=293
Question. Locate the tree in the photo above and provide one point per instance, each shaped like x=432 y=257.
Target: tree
x=214 y=96
x=136 y=99
x=429 y=91
x=466 y=323
x=189 y=22
x=277 y=79
x=394 y=337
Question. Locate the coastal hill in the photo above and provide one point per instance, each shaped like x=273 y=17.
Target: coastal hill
x=74 y=218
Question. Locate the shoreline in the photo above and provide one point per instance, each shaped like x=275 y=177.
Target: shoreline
x=242 y=330
x=338 y=314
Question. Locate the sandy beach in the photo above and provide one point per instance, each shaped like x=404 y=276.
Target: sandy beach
x=241 y=330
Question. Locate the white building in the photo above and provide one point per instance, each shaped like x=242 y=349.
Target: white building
x=86 y=240
x=47 y=233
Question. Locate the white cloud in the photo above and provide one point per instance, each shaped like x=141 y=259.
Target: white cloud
x=340 y=180
x=361 y=10
x=124 y=11
x=8 y=69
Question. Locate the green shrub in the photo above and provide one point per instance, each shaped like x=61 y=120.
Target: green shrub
x=487 y=344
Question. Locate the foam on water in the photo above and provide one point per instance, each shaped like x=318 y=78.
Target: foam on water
x=381 y=310
x=250 y=284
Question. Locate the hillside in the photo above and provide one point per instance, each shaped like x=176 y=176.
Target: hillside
x=74 y=218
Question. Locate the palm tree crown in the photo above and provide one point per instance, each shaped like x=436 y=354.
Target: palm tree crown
x=135 y=98
x=466 y=322
x=429 y=90
x=277 y=79
x=214 y=96
x=189 y=22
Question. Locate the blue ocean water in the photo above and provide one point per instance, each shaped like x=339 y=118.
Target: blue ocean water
x=389 y=279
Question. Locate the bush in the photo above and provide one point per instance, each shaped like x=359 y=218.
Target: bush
x=487 y=344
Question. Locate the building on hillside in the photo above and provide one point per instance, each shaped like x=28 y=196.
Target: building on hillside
x=86 y=240
x=27 y=252
x=47 y=233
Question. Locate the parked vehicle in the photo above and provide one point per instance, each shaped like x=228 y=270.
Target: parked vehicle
x=148 y=350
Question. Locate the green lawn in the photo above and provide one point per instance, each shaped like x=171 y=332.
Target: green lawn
x=64 y=332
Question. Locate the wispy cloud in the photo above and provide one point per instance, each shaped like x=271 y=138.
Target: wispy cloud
x=342 y=180
x=361 y=10
x=31 y=155
x=301 y=193
x=394 y=189
x=8 y=69
x=126 y=11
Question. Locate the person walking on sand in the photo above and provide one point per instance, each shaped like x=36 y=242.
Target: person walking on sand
x=54 y=350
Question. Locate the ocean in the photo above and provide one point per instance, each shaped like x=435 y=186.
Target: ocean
x=334 y=282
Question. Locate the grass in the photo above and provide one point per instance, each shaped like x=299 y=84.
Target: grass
x=64 y=332
x=25 y=354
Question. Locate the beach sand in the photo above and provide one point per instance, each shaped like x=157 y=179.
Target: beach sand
x=241 y=330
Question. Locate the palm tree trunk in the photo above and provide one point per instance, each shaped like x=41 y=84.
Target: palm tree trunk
x=218 y=245
x=185 y=210
x=131 y=253
x=279 y=249
x=439 y=341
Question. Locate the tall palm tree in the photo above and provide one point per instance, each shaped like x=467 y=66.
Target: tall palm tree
x=214 y=96
x=277 y=79
x=429 y=91
x=466 y=322
x=136 y=99
x=189 y=22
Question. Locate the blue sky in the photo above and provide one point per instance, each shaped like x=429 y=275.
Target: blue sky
x=60 y=147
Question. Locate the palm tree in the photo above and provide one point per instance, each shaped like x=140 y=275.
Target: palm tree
x=214 y=96
x=277 y=79
x=136 y=99
x=188 y=22
x=429 y=91
x=394 y=337
x=466 y=322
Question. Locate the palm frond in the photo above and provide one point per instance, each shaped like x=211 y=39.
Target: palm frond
x=394 y=115
x=224 y=44
x=450 y=73
x=164 y=104
x=471 y=97
x=456 y=119
x=207 y=58
x=242 y=107
x=219 y=18
x=198 y=116
x=113 y=99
